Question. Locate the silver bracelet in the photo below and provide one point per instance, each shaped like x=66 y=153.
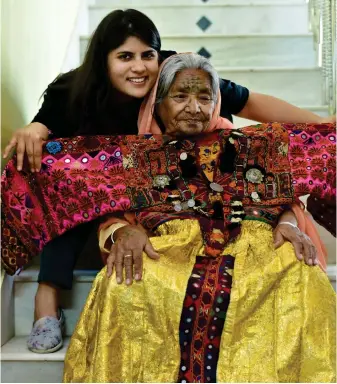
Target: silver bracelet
x=288 y=222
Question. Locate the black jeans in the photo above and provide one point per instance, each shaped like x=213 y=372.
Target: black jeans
x=59 y=256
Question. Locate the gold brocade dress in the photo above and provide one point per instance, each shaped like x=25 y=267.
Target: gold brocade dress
x=279 y=326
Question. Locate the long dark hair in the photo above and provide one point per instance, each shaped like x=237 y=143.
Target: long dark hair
x=91 y=92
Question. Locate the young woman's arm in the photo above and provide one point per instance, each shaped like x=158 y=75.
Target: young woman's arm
x=52 y=117
x=265 y=108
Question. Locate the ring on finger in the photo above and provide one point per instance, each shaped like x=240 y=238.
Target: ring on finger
x=128 y=255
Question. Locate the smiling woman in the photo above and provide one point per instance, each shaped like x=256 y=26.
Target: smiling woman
x=133 y=68
x=102 y=96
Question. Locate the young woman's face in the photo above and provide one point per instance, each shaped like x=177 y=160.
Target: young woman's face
x=133 y=68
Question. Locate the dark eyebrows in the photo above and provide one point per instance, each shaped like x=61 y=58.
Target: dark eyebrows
x=124 y=53
x=132 y=53
x=149 y=51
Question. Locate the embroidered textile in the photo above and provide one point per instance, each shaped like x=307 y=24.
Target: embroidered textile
x=87 y=177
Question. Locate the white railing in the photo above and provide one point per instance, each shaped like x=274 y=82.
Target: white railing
x=322 y=17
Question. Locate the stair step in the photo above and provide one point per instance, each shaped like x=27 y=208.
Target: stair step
x=321 y=110
x=19 y=365
x=16 y=350
x=282 y=18
x=295 y=85
x=205 y=3
x=256 y=50
x=71 y=301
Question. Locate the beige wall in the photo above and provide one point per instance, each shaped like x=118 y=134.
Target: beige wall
x=35 y=35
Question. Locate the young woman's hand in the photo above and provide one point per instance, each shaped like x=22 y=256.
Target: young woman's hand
x=28 y=139
x=127 y=252
x=304 y=248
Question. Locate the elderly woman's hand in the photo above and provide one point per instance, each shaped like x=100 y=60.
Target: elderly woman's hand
x=130 y=243
x=302 y=244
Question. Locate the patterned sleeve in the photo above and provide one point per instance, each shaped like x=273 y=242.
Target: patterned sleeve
x=312 y=155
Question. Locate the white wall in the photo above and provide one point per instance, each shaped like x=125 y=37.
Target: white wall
x=34 y=41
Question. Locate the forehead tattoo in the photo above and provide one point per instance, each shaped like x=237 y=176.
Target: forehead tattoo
x=193 y=84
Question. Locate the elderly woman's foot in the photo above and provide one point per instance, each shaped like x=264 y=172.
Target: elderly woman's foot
x=48 y=327
x=46 y=335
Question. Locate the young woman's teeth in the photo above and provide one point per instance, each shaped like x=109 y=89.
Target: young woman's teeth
x=137 y=80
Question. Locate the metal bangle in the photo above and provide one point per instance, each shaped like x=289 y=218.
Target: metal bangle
x=288 y=222
x=115 y=227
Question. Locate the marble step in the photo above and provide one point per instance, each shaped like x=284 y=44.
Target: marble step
x=19 y=365
x=243 y=51
x=71 y=301
x=295 y=85
x=272 y=18
x=205 y=3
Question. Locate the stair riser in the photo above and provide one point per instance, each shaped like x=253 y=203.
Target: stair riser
x=291 y=19
x=204 y=3
x=71 y=301
x=249 y=51
x=297 y=87
x=31 y=371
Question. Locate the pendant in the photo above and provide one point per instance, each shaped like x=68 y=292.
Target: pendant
x=254 y=175
x=177 y=207
x=160 y=181
x=255 y=197
x=216 y=187
x=183 y=156
x=236 y=220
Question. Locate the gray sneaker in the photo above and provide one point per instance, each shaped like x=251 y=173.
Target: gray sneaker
x=46 y=335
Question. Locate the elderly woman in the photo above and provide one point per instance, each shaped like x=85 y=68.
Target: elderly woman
x=203 y=308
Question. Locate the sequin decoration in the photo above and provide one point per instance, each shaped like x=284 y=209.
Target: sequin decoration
x=54 y=147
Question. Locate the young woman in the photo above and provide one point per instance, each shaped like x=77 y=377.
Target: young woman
x=103 y=96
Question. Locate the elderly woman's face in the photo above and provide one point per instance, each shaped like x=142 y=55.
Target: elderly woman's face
x=188 y=107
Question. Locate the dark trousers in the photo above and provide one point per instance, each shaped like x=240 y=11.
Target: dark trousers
x=59 y=256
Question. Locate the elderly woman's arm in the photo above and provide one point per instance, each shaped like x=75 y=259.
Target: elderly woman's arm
x=287 y=230
x=264 y=108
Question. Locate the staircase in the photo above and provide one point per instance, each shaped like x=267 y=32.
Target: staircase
x=261 y=44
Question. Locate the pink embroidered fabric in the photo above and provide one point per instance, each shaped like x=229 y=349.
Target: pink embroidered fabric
x=312 y=156
x=84 y=178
